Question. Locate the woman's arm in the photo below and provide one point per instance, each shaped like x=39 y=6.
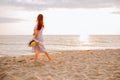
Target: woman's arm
x=35 y=34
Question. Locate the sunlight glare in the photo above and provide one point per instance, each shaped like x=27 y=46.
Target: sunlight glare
x=84 y=38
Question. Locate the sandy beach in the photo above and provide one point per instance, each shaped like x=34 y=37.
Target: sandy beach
x=65 y=65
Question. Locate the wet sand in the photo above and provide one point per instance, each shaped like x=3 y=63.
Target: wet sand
x=65 y=65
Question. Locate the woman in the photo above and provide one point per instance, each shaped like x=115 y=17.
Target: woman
x=39 y=37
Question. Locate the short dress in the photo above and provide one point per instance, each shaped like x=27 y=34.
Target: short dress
x=40 y=47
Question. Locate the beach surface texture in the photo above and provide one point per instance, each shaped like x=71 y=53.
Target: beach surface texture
x=65 y=65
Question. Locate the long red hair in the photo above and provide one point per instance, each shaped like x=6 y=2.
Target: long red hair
x=40 y=22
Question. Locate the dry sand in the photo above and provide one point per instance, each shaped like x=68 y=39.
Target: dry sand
x=65 y=65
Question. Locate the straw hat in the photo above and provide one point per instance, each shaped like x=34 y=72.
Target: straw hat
x=33 y=43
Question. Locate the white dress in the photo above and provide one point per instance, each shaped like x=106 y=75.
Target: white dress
x=40 y=47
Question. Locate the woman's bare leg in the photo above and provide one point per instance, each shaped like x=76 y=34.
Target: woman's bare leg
x=47 y=56
x=36 y=56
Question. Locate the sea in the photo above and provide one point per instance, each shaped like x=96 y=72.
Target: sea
x=15 y=45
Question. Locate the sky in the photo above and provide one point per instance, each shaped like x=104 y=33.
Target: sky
x=18 y=17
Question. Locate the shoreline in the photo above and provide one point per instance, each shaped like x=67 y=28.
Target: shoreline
x=56 y=51
x=65 y=65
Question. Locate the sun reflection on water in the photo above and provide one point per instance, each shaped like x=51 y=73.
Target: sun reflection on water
x=84 y=38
